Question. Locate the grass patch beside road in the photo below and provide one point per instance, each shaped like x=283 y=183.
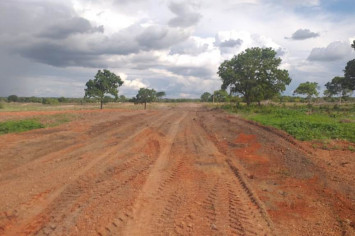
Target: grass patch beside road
x=14 y=126
x=46 y=121
x=304 y=122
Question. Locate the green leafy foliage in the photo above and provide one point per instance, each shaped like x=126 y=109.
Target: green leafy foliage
x=338 y=86
x=220 y=96
x=12 y=98
x=349 y=74
x=105 y=82
x=305 y=122
x=19 y=126
x=254 y=74
x=50 y=101
x=145 y=96
x=308 y=88
x=206 y=97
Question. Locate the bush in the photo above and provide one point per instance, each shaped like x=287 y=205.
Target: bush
x=19 y=126
x=50 y=101
x=325 y=122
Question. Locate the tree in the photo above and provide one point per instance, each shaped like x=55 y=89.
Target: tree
x=220 y=95
x=12 y=98
x=349 y=74
x=337 y=86
x=308 y=88
x=105 y=82
x=122 y=98
x=160 y=94
x=145 y=95
x=254 y=74
x=205 y=97
x=353 y=45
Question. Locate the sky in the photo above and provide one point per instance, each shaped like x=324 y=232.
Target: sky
x=53 y=47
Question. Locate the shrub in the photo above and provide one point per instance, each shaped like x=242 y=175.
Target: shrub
x=19 y=126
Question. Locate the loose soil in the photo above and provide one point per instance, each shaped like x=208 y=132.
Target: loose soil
x=187 y=170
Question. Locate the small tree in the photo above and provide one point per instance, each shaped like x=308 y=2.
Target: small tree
x=160 y=95
x=220 y=95
x=145 y=95
x=205 y=97
x=337 y=87
x=105 y=82
x=12 y=98
x=122 y=98
x=308 y=88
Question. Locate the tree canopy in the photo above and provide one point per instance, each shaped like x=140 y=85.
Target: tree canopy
x=105 y=82
x=220 y=95
x=308 y=88
x=349 y=74
x=145 y=96
x=337 y=86
x=12 y=98
x=255 y=74
x=205 y=97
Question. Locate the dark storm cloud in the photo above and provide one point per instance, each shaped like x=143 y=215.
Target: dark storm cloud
x=227 y=46
x=60 y=55
x=185 y=16
x=303 y=34
x=231 y=43
x=333 y=52
x=70 y=26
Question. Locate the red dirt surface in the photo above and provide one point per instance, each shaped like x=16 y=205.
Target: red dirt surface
x=186 y=170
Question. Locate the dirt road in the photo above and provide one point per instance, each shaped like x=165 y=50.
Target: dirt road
x=173 y=171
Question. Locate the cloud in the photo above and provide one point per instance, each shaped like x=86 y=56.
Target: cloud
x=303 y=34
x=337 y=50
x=75 y=25
x=161 y=37
x=191 y=46
x=185 y=15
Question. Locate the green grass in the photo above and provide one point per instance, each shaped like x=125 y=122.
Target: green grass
x=305 y=122
x=44 y=121
x=19 y=126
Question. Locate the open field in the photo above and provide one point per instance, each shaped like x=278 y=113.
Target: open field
x=173 y=170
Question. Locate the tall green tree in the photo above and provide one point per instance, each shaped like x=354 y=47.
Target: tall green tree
x=308 y=88
x=337 y=87
x=105 y=82
x=205 y=97
x=145 y=96
x=255 y=74
x=349 y=72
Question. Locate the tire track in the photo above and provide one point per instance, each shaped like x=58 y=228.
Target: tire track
x=140 y=214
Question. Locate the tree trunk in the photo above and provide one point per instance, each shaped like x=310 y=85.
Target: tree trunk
x=259 y=104
x=101 y=104
x=247 y=100
x=145 y=105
